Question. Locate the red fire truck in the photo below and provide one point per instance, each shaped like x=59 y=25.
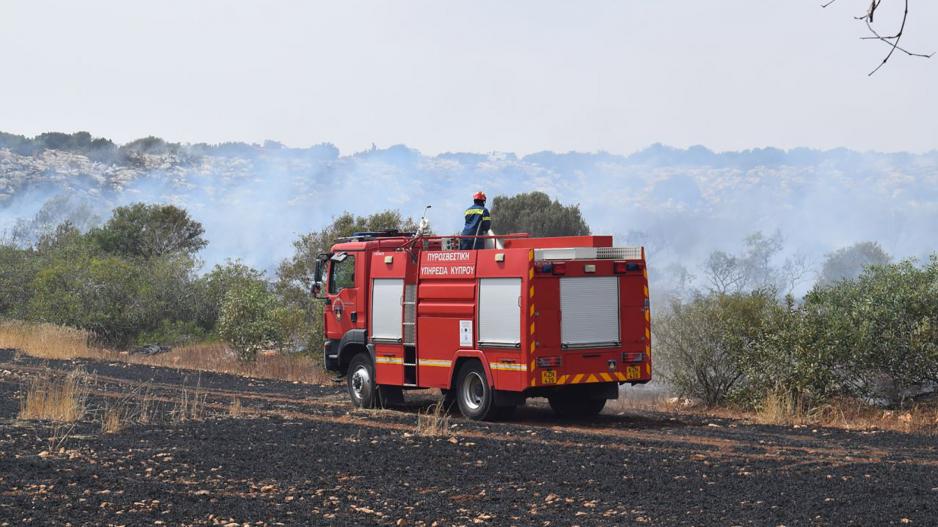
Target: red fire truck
x=566 y=318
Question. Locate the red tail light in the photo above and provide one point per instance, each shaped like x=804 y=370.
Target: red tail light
x=549 y=362
x=633 y=356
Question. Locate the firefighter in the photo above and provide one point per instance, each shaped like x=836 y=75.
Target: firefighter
x=478 y=223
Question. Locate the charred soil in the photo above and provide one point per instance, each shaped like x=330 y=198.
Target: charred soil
x=294 y=454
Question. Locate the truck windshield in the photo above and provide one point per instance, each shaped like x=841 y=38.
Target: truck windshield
x=342 y=275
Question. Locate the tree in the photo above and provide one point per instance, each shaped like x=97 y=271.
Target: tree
x=749 y=271
x=247 y=319
x=58 y=210
x=848 y=263
x=536 y=214
x=295 y=274
x=148 y=231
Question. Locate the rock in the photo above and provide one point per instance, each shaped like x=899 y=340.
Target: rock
x=151 y=349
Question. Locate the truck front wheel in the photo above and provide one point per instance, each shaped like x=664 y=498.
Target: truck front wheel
x=361 y=382
x=474 y=396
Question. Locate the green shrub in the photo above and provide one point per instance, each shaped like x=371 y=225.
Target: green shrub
x=706 y=344
x=247 y=319
x=173 y=333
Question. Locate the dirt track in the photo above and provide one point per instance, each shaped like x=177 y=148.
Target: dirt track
x=297 y=456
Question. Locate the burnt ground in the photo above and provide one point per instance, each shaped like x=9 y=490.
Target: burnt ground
x=297 y=455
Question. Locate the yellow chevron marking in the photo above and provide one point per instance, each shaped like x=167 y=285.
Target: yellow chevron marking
x=531 y=292
x=646 y=291
x=533 y=345
x=532 y=364
x=605 y=377
x=647 y=333
x=577 y=378
x=531 y=255
x=592 y=378
x=648 y=349
x=648 y=368
x=620 y=376
x=434 y=363
x=532 y=381
x=647 y=315
x=532 y=328
x=562 y=380
x=532 y=310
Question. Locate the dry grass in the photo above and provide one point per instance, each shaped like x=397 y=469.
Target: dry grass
x=46 y=341
x=218 y=357
x=779 y=408
x=113 y=420
x=190 y=406
x=55 y=397
x=434 y=422
x=783 y=410
x=49 y=341
x=234 y=408
x=856 y=415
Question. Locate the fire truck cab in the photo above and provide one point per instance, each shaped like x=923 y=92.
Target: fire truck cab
x=566 y=318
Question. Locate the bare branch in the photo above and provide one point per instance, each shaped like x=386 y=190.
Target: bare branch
x=890 y=40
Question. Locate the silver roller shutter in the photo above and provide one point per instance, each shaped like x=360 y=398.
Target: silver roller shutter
x=589 y=311
x=500 y=311
x=386 y=309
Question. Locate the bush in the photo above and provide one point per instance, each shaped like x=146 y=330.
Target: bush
x=705 y=344
x=97 y=293
x=172 y=333
x=890 y=319
x=875 y=336
x=247 y=321
x=214 y=285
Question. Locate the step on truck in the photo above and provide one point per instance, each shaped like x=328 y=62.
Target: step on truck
x=566 y=318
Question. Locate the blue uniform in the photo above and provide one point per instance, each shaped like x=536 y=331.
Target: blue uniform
x=478 y=223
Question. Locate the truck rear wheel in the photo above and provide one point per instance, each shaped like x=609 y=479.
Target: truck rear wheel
x=361 y=382
x=566 y=406
x=475 y=397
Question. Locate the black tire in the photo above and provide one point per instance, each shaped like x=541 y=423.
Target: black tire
x=476 y=399
x=566 y=406
x=360 y=381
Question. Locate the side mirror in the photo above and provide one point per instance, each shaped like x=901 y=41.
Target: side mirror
x=316 y=289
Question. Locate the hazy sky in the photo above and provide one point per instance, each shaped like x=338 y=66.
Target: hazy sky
x=476 y=75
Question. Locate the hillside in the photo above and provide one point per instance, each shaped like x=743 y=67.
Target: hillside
x=681 y=203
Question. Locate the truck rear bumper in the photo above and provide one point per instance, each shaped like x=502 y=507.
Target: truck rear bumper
x=597 y=390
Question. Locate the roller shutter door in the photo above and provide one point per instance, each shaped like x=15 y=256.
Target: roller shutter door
x=589 y=311
x=386 y=311
x=500 y=311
